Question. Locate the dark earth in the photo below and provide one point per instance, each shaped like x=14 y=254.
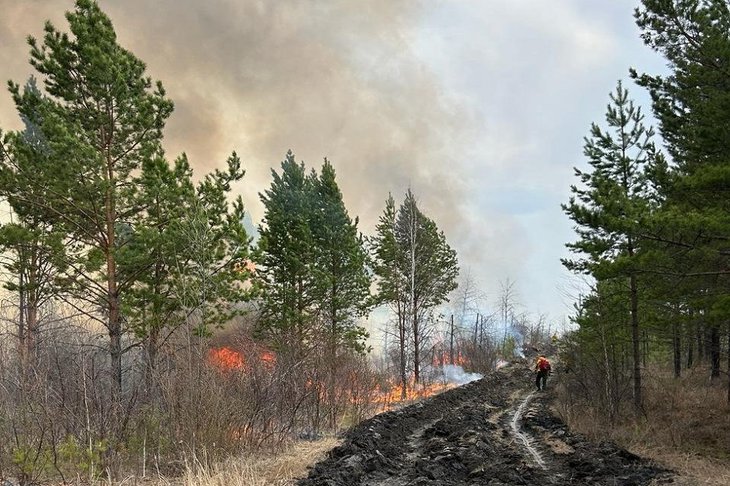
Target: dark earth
x=479 y=434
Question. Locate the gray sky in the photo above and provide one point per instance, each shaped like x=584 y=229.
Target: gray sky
x=479 y=106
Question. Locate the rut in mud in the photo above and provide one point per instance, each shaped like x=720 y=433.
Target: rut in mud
x=525 y=438
x=494 y=431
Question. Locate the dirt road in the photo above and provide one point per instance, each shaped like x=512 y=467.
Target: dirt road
x=495 y=431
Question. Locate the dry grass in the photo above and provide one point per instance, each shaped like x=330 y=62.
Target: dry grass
x=691 y=469
x=686 y=427
x=280 y=469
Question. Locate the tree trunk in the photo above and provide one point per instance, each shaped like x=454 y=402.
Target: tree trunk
x=416 y=349
x=414 y=306
x=31 y=309
x=402 y=346
x=476 y=327
x=451 y=341
x=636 y=343
x=728 y=362
x=610 y=402
x=31 y=328
x=115 y=344
x=715 y=351
x=114 y=318
x=115 y=329
x=481 y=331
x=677 y=347
x=690 y=349
x=334 y=337
x=151 y=347
x=22 y=334
x=700 y=343
x=402 y=362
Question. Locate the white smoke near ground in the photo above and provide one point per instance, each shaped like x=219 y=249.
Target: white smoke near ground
x=509 y=331
x=501 y=364
x=455 y=374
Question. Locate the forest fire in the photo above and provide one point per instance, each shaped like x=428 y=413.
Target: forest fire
x=268 y=357
x=445 y=357
x=226 y=359
x=388 y=398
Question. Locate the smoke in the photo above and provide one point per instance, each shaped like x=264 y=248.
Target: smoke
x=455 y=374
x=325 y=79
x=508 y=330
x=329 y=79
x=355 y=82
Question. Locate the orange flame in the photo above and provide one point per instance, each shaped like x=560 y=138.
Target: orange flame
x=268 y=357
x=444 y=357
x=391 y=396
x=226 y=359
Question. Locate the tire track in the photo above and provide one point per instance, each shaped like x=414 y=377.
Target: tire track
x=523 y=437
x=492 y=431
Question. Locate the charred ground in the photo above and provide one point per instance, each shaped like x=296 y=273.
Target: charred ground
x=467 y=436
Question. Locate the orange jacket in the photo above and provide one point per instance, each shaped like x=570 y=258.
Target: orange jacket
x=542 y=364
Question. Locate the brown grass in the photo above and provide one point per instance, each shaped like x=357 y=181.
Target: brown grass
x=686 y=427
x=281 y=469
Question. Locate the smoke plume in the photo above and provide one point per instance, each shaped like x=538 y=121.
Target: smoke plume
x=455 y=374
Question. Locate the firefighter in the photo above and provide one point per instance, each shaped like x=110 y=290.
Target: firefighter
x=542 y=367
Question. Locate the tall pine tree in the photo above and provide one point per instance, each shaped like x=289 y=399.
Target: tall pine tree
x=417 y=269
x=287 y=256
x=312 y=264
x=342 y=279
x=101 y=118
x=611 y=204
x=32 y=246
x=692 y=104
x=386 y=261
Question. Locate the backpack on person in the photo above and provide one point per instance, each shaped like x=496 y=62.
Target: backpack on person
x=543 y=364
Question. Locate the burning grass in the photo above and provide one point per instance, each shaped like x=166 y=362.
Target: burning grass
x=384 y=396
x=227 y=359
x=391 y=396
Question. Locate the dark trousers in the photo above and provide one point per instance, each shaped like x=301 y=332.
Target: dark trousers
x=541 y=379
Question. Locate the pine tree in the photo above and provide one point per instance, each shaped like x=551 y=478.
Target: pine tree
x=417 y=269
x=691 y=104
x=150 y=305
x=430 y=267
x=342 y=280
x=102 y=119
x=611 y=204
x=313 y=263
x=213 y=274
x=33 y=247
x=287 y=256
x=187 y=254
x=386 y=260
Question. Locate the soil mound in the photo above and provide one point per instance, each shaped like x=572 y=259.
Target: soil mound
x=494 y=431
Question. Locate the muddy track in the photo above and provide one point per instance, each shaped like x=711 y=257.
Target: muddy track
x=494 y=431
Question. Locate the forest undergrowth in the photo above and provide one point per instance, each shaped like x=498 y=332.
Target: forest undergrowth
x=685 y=426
